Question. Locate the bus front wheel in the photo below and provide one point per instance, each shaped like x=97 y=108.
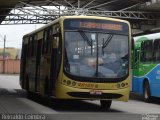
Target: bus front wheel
x=146 y=92
x=105 y=104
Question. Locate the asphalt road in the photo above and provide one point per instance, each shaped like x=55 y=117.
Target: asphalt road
x=13 y=101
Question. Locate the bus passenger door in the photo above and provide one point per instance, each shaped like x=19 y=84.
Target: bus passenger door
x=38 y=59
x=56 y=55
x=135 y=66
x=44 y=80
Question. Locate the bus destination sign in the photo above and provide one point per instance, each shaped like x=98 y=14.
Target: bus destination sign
x=96 y=25
x=105 y=26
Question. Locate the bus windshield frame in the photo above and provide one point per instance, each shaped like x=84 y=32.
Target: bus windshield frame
x=89 y=41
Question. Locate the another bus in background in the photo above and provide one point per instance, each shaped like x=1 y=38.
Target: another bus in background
x=146 y=66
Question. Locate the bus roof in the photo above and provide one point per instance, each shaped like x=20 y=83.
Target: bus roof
x=140 y=39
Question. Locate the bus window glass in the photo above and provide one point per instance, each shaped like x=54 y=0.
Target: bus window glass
x=77 y=51
x=35 y=48
x=32 y=45
x=50 y=37
x=156 y=50
x=47 y=37
x=147 y=51
x=96 y=54
x=29 y=47
x=47 y=40
x=44 y=42
x=143 y=52
x=115 y=59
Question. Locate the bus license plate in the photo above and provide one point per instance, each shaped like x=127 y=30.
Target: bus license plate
x=95 y=92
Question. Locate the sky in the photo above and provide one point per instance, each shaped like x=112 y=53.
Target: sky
x=15 y=33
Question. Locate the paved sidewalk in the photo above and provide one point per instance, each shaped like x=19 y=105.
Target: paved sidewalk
x=9 y=81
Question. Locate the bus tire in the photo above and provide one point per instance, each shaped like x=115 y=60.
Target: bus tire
x=105 y=104
x=146 y=92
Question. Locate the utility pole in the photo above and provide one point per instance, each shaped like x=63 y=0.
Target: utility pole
x=4 y=53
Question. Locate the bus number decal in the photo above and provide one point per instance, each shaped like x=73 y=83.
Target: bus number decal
x=85 y=85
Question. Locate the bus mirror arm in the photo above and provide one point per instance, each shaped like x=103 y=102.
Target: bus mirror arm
x=132 y=43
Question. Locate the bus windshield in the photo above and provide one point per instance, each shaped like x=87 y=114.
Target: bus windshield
x=96 y=54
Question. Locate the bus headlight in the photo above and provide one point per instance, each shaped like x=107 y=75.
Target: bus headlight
x=123 y=85
x=73 y=83
x=68 y=82
x=64 y=81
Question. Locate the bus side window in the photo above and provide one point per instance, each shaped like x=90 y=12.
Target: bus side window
x=50 y=38
x=29 y=48
x=47 y=40
x=32 y=46
x=156 y=53
x=136 y=58
x=35 y=46
x=149 y=51
x=39 y=50
x=47 y=37
x=143 y=52
x=44 y=42
x=57 y=50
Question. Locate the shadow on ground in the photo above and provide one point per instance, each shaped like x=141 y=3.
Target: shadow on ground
x=13 y=92
x=70 y=105
x=154 y=100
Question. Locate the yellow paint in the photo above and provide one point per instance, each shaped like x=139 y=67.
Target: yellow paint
x=62 y=91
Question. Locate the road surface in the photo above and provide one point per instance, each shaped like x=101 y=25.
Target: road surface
x=13 y=100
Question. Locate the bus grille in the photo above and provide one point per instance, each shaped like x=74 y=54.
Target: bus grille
x=88 y=95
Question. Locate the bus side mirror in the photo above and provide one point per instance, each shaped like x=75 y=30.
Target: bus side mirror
x=132 y=53
x=55 y=42
x=132 y=43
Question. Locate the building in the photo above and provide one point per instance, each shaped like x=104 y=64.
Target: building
x=10 y=53
x=11 y=63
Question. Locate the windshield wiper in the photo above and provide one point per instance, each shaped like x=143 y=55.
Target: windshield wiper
x=106 y=42
x=85 y=38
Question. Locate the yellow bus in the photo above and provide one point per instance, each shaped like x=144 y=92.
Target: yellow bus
x=78 y=57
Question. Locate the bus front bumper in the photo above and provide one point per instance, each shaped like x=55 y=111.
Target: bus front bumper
x=66 y=92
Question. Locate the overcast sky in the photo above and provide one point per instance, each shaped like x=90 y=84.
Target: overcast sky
x=14 y=34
